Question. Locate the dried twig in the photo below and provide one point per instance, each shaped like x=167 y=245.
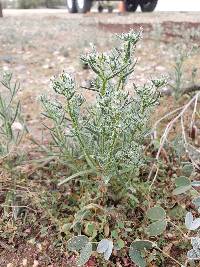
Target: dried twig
x=191 y=89
x=163 y=139
x=184 y=90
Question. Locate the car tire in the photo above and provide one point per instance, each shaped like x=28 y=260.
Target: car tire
x=148 y=5
x=131 y=5
x=83 y=6
x=71 y=6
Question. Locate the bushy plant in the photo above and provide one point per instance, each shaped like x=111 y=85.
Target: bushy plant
x=110 y=132
x=179 y=78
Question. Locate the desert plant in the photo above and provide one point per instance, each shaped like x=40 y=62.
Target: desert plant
x=110 y=132
x=178 y=77
x=12 y=130
x=11 y=123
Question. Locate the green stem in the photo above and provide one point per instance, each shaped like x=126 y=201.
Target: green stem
x=103 y=90
x=76 y=128
x=81 y=173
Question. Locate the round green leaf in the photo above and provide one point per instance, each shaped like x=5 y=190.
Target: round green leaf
x=181 y=190
x=187 y=170
x=196 y=202
x=120 y=243
x=141 y=245
x=85 y=254
x=156 y=228
x=156 y=213
x=136 y=257
x=90 y=230
x=196 y=183
x=177 y=212
x=182 y=181
x=66 y=227
x=76 y=243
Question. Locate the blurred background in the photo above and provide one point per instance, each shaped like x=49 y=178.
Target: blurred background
x=163 y=5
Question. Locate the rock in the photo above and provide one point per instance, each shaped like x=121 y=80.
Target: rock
x=7 y=59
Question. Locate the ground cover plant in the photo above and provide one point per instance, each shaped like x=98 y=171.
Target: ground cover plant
x=111 y=133
x=61 y=204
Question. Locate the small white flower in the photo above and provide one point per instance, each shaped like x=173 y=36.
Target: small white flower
x=17 y=126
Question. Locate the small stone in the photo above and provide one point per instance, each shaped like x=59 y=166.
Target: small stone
x=6 y=58
x=39 y=246
x=160 y=68
x=5 y=68
x=20 y=68
x=46 y=66
x=24 y=262
x=35 y=263
x=56 y=53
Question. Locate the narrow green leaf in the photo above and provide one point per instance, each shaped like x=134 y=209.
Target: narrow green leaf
x=81 y=173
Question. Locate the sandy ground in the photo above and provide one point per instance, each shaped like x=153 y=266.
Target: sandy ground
x=36 y=44
x=158 y=16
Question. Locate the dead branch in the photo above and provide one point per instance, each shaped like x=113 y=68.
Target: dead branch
x=184 y=91
x=191 y=89
x=168 y=128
